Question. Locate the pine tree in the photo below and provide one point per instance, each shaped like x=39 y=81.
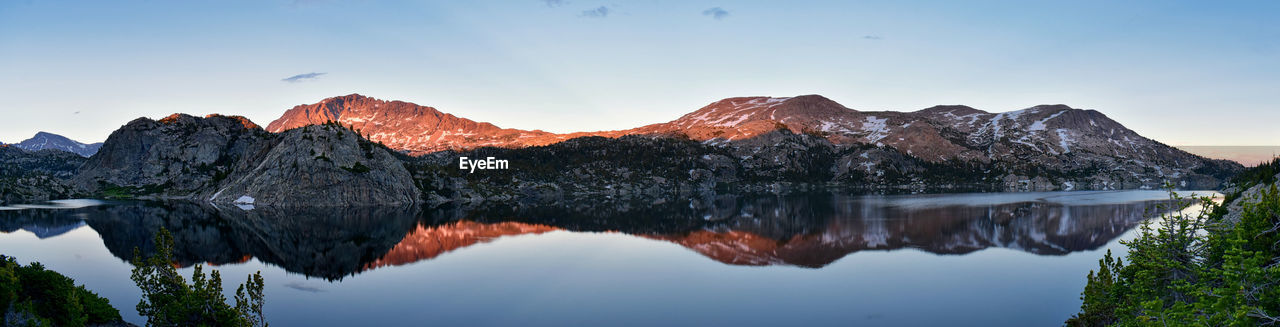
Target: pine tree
x=167 y=299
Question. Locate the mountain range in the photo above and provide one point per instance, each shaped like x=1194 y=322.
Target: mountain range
x=939 y=133
x=46 y=140
x=1046 y=147
x=355 y=149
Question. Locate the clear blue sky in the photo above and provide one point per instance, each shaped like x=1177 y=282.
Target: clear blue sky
x=1181 y=72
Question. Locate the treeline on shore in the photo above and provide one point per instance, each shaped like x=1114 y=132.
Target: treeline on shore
x=1219 y=266
x=31 y=295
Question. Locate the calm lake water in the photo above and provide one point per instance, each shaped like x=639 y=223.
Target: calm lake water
x=1013 y=259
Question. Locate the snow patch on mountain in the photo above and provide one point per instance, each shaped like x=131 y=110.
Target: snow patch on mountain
x=1039 y=124
x=1065 y=140
x=997 y=125
x=876 y=127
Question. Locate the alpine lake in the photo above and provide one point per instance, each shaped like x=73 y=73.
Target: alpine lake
x=977 y=259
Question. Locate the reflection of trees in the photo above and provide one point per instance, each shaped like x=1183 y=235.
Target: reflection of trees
x=321 y=242
x=809 y=231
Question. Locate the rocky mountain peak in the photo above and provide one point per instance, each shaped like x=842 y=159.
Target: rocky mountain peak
x=746 y=117
x=181 y=119
x=248 y=124
x=350 y=110
x=45 y=140
x=350 y=98
x=956 y=110
x=1052 y=107
x=173 y=118
x=733 y=111
x=404 y=126
x=813 y=104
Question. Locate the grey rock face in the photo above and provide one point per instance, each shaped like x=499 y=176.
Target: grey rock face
x=781 y=154
x=174 y=156
x=228 y=159
x=1236 y=208
x=27 y=176
x=16 y=162
x=319 y=165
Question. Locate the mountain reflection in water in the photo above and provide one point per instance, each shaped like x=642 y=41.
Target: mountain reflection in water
x=801 y=230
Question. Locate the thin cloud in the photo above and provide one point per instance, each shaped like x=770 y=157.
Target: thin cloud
x=554 y=3
x=301 y=77
x=601 y=12
x=717 y=13
x=872 y=37
x=303 y=287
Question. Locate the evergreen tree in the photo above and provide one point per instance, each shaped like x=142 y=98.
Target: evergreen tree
x=167 y=299
x=1195 y=269
x=34 y=296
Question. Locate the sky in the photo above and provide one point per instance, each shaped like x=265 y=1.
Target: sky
x=1179 y=72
